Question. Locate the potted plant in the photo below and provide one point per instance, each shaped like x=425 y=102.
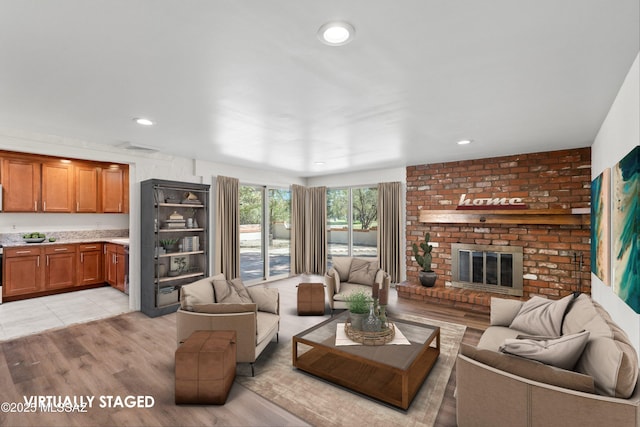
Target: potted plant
x=169 y=245
x=427 y=275
x=358 y=304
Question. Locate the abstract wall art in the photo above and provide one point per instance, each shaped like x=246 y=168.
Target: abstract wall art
x=626 y=224
x=600 y=226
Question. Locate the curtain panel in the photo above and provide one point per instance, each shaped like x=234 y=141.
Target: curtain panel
x=227 y=227
x=308 y=230
x=390 y=228
x=298 y=197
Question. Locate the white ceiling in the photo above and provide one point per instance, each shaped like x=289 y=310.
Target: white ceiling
x=248 y=83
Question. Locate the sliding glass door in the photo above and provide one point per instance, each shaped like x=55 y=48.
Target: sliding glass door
x=352 y=215
x=265 y=215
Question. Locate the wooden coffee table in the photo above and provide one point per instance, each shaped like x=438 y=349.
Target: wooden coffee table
x=390 y=373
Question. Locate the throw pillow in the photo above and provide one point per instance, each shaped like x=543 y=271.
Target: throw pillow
x=265 y=298
x=541 y=316
x=503 y=311
x=363 y=272
x=199 y=292
x=562 y=352
x=530 y=369
x=227 y=292
x=241 y=289
x=342 y=264
x=609 y=357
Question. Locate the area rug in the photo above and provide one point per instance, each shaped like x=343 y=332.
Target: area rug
x=324 y=404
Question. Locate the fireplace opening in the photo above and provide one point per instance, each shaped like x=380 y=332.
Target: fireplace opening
x=490 y=268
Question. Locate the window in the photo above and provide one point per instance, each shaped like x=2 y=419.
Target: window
x=264 y=232
x=352 y=215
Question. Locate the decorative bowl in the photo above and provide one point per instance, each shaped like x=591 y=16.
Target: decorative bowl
x=35 y=239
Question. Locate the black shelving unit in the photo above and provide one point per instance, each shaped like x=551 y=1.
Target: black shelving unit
x=174 y=239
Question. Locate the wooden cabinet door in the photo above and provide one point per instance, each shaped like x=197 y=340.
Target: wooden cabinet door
x=110 y=272
x=112 y=190
x=120 y=270
x=115 y=266
x=86 y=188
x=57 y=187
x=60 y=267
x=20 y=185
x=22 y=271
x=90 y=264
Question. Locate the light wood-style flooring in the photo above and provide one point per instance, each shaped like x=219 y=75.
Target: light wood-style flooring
x=132 y=355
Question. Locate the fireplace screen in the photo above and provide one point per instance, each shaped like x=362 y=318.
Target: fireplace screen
x=487 y=267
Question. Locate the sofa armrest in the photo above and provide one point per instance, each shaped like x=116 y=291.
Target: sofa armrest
x=244 y=323
x=489 y=396
x=330 y=282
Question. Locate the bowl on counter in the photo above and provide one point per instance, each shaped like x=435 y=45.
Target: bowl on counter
x=35 y=239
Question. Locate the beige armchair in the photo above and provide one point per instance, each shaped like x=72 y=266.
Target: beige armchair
x=252 y=312
x=352 y=274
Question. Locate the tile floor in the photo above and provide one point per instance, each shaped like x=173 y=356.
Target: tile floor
x=30 y=316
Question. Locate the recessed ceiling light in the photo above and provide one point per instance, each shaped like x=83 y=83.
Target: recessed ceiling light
x=464 y=141
x=336 y=33
x=142 y=121
x=318 y=163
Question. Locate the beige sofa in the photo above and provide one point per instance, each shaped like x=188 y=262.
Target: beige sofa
x=352 y=274
x=494 y=388
x=217 y=304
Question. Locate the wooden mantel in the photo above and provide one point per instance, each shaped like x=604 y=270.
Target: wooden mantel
x=508 y=216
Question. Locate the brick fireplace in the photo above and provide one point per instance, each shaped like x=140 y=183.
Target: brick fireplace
x=554 y=231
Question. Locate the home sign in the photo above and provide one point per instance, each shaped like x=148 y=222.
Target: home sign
x=491 y=203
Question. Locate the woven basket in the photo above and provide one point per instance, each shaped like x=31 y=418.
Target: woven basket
x=370 y=338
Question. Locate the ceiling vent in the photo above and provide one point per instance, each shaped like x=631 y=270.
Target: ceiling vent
x=139 y=148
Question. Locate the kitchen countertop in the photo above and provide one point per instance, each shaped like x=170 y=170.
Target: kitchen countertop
x=117 y=240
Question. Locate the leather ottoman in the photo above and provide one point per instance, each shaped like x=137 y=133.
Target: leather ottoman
x=310 y=299
x=206 y=367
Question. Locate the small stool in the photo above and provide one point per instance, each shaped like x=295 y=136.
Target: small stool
x=206 y=367
x=310 y=299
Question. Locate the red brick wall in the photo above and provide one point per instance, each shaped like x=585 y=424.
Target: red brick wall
x=547 y=180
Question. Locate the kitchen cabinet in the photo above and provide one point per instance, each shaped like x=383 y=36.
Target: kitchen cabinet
x=86 y=188
x=20 y=185
x=174 y=241
x=23 y=271
x=34 y=183
x=114 y=198
x=115 y=265
x=57 y=187
x=90 y=264
x=60 y=266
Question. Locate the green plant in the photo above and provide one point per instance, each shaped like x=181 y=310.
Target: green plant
x=167 y=243
x=423 y=260
x=358 y=302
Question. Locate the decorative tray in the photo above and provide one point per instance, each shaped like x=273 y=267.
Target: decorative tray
x=370 y=338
